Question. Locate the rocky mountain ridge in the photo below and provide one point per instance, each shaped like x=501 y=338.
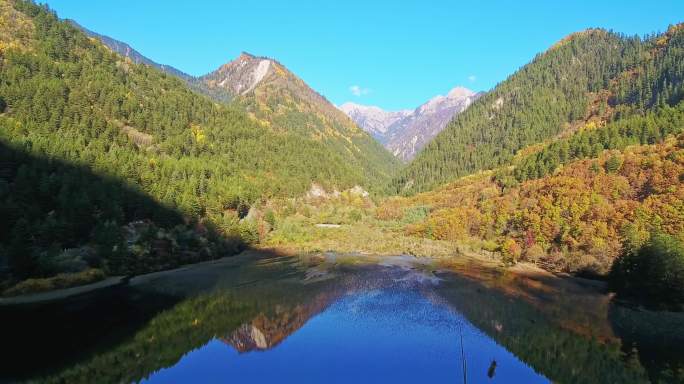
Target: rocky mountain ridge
x=406 y=132
x=374 y=120
x=126 y=50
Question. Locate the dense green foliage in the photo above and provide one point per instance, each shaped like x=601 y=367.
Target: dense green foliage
x=636 y=130
x=91 y=141
x=592 y=73
x=353 y=151
x=654 y=272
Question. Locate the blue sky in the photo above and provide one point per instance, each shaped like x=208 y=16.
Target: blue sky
x=394 y=54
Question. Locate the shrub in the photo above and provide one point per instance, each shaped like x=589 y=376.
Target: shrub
x=355 y=215
x=534 y=253
x=249 y=231
x=511 y=250
x=490 y=246
x=291 y=231
x=613 y=164
x=653 y=274
x=270 y=218
x=70 y=260
x=505 y=179
x=416 y=214
x=389 y=210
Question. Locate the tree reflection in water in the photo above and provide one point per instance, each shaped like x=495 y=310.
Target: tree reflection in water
x=565 y=330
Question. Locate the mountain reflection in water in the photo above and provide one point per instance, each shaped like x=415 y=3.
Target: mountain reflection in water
x=333 y=318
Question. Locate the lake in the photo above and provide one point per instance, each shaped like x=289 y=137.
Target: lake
x=329 y=318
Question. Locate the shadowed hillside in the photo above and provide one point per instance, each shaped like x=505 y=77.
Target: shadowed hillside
x=63 y=218
x=65 y=97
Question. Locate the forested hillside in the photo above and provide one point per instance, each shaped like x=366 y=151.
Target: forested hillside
x=127 y=51
x=279 y=99
x=592 y=209
x=282 y=101
x=83 y=130
x=580 y=218
x=586 y=80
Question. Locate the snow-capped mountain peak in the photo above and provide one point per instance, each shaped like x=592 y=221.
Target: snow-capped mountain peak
x=405 y=132
x=460 y=92
x=372 y=119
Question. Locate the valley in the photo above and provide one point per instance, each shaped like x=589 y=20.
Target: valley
x=242 y=209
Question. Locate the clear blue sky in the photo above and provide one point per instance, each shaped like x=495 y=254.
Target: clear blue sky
x=396 y=53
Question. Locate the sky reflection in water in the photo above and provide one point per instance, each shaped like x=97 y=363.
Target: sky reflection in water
x=388 y=335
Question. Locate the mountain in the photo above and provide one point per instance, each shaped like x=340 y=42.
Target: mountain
x=273 y=95
x=126 y=50
x=582 y=215
x=240 y=76
x=300 y=108
x=405 y=133
x=585 y=80
x=170 y=174
x=410 y=134
x=267 y=330
x=374 y=120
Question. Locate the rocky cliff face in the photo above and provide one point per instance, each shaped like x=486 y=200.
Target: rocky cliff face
x=405 y=133
x=239 y=76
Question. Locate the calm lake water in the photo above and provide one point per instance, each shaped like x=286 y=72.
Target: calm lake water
x=341 y=319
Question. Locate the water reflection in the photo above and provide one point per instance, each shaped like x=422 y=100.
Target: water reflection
x=341 y=318
x=385 y=335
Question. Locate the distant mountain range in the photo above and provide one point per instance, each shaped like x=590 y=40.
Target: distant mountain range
x=374 y=120
x=405 y=132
